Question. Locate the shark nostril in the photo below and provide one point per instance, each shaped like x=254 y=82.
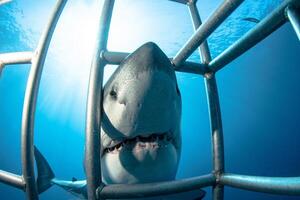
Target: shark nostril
x=110 y=149
x=118 y=145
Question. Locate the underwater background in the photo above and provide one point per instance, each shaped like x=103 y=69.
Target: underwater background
x=259 y=91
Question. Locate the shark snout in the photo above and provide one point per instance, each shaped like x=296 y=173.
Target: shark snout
x=143 y=97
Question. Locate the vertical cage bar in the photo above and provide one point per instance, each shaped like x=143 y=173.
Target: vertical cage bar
x=204 y=49
x=214 y=107
x=30 y=103
x=94 y=105
x=293 y=15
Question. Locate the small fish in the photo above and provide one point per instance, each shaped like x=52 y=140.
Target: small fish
x=251 y=19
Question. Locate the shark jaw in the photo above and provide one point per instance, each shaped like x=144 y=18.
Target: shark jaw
x=140 y=142
x=140 y=129
x=140 y=159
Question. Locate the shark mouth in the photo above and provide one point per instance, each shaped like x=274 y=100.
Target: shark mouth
x=155 y=140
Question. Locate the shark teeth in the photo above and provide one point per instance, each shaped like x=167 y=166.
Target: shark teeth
x=141 y=140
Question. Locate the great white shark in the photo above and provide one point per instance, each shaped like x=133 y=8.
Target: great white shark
x=140 y=131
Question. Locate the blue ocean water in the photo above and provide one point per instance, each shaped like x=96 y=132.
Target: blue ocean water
x=259 y=93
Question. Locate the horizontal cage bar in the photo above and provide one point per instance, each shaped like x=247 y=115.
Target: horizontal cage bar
x=119 y=191
x=273 y=185
x=15 y=58
x=12 y=179
x=116 y=58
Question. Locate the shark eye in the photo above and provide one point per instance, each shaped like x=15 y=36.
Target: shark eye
x=113 y=94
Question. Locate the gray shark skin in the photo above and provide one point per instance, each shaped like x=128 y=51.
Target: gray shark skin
x=140 y=132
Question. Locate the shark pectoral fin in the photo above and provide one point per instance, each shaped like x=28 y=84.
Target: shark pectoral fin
x=45 y=173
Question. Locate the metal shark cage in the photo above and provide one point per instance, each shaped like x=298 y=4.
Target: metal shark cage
x=287 y=11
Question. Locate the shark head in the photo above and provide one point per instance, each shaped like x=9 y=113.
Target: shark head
x=140 y=133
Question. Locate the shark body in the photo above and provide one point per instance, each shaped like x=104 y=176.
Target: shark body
x=140 y=132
